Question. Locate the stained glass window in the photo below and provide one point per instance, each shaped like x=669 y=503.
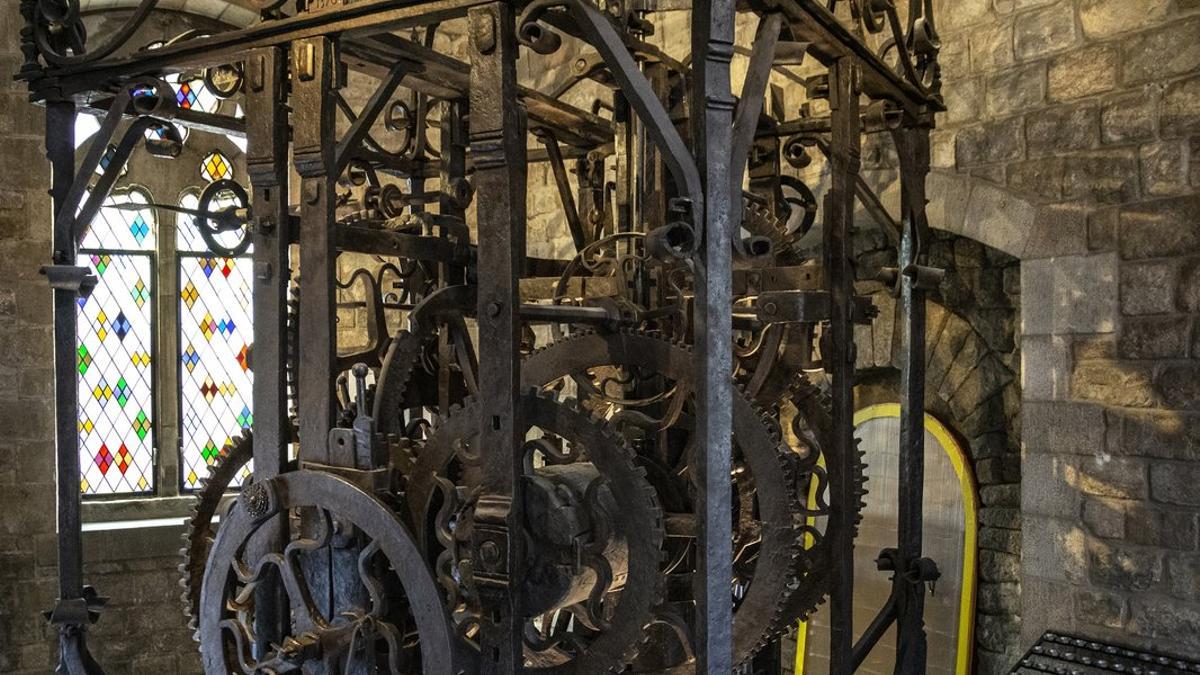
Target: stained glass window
x=214 y=336
x=115 y=351
x=215 y=166
x=122 y=225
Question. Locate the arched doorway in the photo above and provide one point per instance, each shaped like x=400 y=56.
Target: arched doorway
x=950 y=532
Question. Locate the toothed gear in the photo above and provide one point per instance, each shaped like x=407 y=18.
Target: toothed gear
x=779 y=568
x=198 y=530
x=758 y=219
x=816 y=560
x=639 y=518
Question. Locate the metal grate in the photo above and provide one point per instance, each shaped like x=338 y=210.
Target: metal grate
x=1070 y=655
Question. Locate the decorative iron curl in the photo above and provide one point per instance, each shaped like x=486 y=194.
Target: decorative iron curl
x=58 y=27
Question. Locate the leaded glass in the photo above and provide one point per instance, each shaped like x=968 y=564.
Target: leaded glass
x=215 y=166
x=122 y=229
x=116 y=403
x=215 y=379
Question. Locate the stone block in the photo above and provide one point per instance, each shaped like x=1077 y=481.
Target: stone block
x=1117 y=477
x=964 y=101
x=999 y=567
x=1125 y=568
x=1016 y=90
x=1183 y=575
x=1155 y=337
x=1161 y=434
x=1000 y=219
x=999 y=598
x=1045 y=31
x=1164 y=168
x=1100 y=608
x=991 y=142
x=1100 y=62
x=1106 y=18
x=1043 y=608
x=1045 y=367
x=1160 y=228
x=1001 y=495
x=1040 y=178
x=1047 y=487
x=1102 y=229
x=1062 y=428
x=1128 y=119
x=955 y=58
x=983 y=383
x=1106 y=176
x=1088 y=347
x=1148 y=287
x=1162 y=53
x=1104 y=517
x=1114 y=383
x=1180 y=115
x=991 y=47
x=949 y=343
x=1070 y=294
x=1163 y=528
x=1174 y=621
x=994 y=632
x=1060 y=130
x=1061 y=231
x=1175 y=483
x=958 y=13
x=1007 y=519
x=1189 y=286
x=1053 y=549
x=998 y=539
x=1179 y=385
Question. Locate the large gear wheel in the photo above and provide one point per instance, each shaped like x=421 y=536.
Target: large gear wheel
x=199 y=530
x=782 y=477
x=625 y=603
x=390 y=620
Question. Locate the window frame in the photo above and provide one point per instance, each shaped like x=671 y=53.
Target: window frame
x=152 y=256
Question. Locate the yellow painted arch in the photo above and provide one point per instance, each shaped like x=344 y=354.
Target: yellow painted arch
x=966 y=483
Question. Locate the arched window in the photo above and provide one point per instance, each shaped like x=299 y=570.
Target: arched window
x=134 y=402
x=116 y=352
x=951 y=504
x=215 y=310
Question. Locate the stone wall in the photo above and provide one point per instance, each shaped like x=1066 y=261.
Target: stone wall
x=1080 y=119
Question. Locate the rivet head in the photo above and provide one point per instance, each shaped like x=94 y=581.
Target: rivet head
x=493 y=308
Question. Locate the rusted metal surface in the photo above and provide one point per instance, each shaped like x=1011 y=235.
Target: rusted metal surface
x=548 y=466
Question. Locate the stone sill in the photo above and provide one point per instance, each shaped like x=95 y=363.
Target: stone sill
x=119 y=514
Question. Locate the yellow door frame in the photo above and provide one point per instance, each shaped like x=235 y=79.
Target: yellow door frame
x=966 y=482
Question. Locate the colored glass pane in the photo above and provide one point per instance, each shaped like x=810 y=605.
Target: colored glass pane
x=116 y=403
x=117 y=226
x=215 y=166
x=215 y=379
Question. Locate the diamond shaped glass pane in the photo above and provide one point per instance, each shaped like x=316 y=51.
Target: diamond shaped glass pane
x=215 y=308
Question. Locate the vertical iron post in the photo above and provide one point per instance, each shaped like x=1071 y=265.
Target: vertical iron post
x=912 y=144
x=839 y=361
x=60 y=149
x=712 y=128
x=497 y=133
x=314 y=63
x=267 y=170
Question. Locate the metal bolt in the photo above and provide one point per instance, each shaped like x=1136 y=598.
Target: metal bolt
x=770 y=308
x=493 y=308
x=489 y=552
